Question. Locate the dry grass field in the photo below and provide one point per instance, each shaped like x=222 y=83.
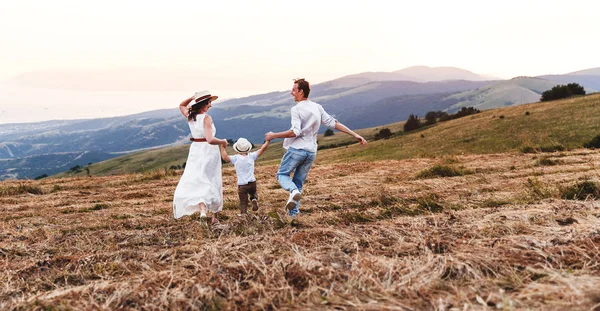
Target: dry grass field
x=381 y=235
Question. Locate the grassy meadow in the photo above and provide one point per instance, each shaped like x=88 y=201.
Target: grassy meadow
x=451 y=217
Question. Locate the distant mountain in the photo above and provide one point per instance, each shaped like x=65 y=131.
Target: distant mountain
x=516 y=91
x=591 y=84
x=586 y=72
x=426 y=74
x=414 y=74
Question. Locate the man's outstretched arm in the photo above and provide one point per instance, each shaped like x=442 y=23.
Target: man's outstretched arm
x=342 y=128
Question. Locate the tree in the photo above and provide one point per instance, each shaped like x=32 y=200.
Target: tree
x=384 y=133
x=562 y=91
x=576 y=89
x=328 y=132
x=412 y=123
x=431 y=117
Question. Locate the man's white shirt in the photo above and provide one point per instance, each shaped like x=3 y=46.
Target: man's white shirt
x=307 y=117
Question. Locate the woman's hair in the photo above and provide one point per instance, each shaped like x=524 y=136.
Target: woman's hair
x=303 y=85
x=196 y=108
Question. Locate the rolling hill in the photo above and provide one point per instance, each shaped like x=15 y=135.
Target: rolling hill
x=516 y=91
x=499 y=130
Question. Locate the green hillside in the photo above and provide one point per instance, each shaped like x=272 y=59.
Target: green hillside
x=569 y=123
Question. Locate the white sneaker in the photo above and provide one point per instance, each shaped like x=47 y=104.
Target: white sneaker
x=295 y=196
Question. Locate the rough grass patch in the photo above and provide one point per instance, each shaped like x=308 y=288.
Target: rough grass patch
x=430 y=203
x=581 y=191
x=594 y=143
x=537 y=190
x=442 y=171
x=353 y=218
x=547 y=161
x=543 y=148
x=20 y=189
x=495 y=203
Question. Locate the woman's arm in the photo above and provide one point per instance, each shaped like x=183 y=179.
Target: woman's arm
x=224 y=155
x=183 y=106
x=263 y=148
x=209 y=135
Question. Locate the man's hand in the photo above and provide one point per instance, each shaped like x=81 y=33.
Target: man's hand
x=360 y=139
x=269 y=136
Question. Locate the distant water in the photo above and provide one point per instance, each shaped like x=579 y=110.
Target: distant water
x=24 y=105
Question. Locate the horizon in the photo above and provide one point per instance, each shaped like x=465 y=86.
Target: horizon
x=153 y=58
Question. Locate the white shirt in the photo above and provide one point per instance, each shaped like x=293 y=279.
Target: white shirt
x=244 y=167
x=307 y=117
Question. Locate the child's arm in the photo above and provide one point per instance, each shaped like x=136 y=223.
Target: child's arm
x=263 y=148
x=224 y=155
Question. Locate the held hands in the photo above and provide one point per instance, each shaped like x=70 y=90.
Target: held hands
x=224 y=143
x=269 y=136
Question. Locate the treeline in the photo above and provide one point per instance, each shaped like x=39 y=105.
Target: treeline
x=433 y=117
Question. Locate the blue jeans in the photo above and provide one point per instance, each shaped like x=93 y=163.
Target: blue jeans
x=299 y=162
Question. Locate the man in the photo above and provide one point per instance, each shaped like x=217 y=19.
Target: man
x=301 y=142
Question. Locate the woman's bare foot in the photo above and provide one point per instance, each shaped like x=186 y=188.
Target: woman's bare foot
x=203 y=210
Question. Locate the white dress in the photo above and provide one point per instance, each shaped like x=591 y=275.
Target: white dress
x=201 y=180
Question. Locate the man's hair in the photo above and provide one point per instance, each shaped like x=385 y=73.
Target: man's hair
x=303 y=86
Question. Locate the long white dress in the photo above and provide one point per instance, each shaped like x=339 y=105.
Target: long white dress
x=201 y=180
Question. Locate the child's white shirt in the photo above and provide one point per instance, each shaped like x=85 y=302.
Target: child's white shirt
x=244 y=167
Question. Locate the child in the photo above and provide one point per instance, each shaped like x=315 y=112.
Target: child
x=244 y=169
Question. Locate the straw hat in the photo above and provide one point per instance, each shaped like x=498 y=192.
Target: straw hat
x=200 y=96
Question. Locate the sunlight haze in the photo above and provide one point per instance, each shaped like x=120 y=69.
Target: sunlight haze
x=78 y=59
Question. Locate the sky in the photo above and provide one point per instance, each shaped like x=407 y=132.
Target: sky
x=65 y=59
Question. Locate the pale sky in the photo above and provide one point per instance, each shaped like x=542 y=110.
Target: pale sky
x=152 y=54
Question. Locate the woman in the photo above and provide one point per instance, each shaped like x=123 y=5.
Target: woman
x=200 y=188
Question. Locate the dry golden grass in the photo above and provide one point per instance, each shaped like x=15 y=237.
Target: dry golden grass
x=371 y=236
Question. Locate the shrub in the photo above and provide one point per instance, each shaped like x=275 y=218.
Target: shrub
x=594 y=143
x=328 y=132
x=412 y=123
